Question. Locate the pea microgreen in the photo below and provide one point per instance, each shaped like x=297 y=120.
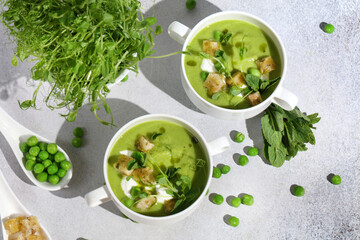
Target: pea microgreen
x=79 y=47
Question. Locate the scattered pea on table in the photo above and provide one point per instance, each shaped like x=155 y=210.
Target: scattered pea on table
x=218 y=199
x=298 y=191
x=253 y=151
x=216 y=172
x=243 y=160
x=247 y=200
x=239 y=137
x=225 y=169
x=233 y=221
x=336 y=179
x=236 y=202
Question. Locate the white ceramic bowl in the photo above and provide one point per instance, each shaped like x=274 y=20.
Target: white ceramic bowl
x=105 y=193
x=280 y=96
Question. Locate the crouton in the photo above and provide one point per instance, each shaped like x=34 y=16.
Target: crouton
x=214 y=82
x=210 y=47
x=266 y=65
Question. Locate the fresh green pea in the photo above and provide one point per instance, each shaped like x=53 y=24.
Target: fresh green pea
x=247 y=200
x=28 y=156
x=52 y=169
x=253 y=151
x=255 y=72
x=46 y=163
x=32 y=141
x=51 y=148
x=39 y=168
x=43 y=146
x=78 y=132
x=128 y=202
x=42 y=177
x=66 y=165
x=243 y=160
x=24 y=147
x=218 y=199
x=236 y=202
x=217 y=35
x=53 y=179
x=216 y=172
x=43 y=155
x=329 y=28
x=204 y=75
x=61 y=173
x=59 y=156
x=29 y=165
x=233 y=221
x=190 y=4
x=298 y=191
x=77 y=142
x=34 y=151
x=239 y=137
x=225 y=169
x=336 y=180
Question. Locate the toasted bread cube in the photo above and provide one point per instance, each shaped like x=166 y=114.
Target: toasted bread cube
x=146 y=203
x=238 y=79
x=143 y=144
x=144 y=175
x=210 y=47
x=169 y=205
x=34 y=237
x=121 y=163
x=214 y=82
x=18 y=236
x=13 y=225
x=266 y=65
x=254 y=98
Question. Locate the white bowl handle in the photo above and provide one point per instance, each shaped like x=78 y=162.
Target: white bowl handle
x=285 y=99
x=178 y=32
x=218 y=145
x=98 y=196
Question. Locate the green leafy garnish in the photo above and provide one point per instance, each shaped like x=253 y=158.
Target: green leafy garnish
x=136 y=192
x=224 y=39
x=234 y=90
x=242 y=51
x=138 y=160
x=204 y=75
x=285 y=133
x=253 y=82
x=216 y=96
x=79 y=47
x=155 y=135
x=265 y=84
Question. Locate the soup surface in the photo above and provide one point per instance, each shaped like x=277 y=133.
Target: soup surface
x=157 y=168
x=223 y=54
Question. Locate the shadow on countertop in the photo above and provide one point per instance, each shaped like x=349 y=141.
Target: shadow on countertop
x=253 y=126
x=164 y=73
x=88 y=160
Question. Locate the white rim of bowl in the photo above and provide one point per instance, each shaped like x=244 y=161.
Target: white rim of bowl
x=281 y=51
x=189 y=127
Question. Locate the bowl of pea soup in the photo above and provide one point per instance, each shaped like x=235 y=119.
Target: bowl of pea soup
x=157 y=169
x=234 y=66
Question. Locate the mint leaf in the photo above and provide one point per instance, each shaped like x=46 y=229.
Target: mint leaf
x=253 y=82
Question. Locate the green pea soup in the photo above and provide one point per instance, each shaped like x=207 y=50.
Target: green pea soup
x=257 y=45
x=176 y=147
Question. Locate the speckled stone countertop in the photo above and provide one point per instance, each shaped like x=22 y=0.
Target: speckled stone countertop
x=323 y=71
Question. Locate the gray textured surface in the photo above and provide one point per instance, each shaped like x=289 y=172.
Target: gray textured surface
x=323 y=71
